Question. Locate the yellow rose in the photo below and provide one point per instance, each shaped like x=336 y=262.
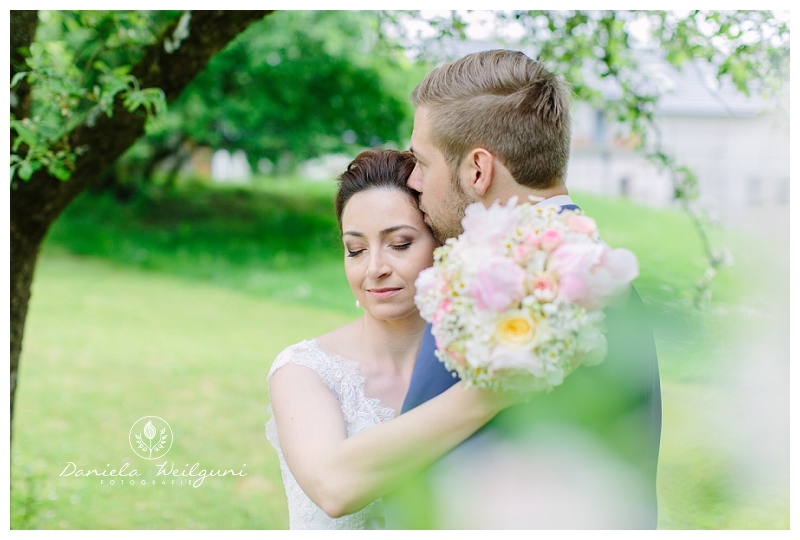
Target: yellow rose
x=516 y=329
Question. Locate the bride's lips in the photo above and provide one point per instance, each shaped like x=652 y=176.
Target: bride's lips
x=383 y=294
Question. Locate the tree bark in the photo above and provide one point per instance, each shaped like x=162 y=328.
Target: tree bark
x=36 y=204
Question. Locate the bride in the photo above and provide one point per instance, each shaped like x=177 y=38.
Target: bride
x=335 y=399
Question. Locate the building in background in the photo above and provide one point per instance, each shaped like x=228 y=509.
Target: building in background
x=737 y=145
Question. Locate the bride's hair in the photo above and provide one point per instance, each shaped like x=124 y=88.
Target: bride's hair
x=372 y=169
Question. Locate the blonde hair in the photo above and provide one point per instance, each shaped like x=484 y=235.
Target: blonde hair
x=502 y=101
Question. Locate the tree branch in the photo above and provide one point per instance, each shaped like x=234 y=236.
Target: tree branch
x=170 y=64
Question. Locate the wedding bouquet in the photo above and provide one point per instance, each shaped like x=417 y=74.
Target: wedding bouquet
x=516 y=301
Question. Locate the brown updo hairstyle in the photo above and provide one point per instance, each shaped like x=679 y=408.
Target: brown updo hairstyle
x=376 y=168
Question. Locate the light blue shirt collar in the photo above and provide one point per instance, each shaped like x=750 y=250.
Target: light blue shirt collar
x=558 y=200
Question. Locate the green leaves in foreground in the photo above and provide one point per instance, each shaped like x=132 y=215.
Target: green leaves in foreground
x=77 y=67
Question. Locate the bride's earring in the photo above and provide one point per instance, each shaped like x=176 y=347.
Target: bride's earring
x=358 y=304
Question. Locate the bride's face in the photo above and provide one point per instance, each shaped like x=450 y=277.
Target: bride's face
x=386 y=246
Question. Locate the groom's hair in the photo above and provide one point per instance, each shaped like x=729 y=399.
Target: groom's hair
x=504 y=102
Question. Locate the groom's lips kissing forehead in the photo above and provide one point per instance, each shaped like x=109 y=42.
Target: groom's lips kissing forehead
x=424 y=214
x=384 y=293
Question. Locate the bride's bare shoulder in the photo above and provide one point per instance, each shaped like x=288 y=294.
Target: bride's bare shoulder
x=340 y=340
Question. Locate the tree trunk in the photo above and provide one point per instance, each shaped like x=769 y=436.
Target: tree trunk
x=37 y=203
x=24 y=251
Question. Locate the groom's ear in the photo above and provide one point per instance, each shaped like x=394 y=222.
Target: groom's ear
x=478 y=169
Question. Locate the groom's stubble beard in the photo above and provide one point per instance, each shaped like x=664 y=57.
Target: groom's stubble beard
x=447 y=224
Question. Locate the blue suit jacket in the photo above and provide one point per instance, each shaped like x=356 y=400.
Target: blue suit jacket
x=619 y=401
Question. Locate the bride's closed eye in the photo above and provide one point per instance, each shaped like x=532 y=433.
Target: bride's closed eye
x=398 y=247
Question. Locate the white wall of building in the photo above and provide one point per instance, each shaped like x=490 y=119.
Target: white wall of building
x=740 y=161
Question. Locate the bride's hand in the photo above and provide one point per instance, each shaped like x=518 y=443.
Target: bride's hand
x=497 y=401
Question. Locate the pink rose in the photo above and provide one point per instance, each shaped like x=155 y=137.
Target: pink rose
x=581 y=224
x=532 y=240
x=592 y=274
x=544 y=286
x=498 y=283
x=551 y=239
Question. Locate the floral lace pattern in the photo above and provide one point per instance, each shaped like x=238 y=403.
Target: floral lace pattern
x=360 y=412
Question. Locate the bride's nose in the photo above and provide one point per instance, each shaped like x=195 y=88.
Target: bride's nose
x=378 y=267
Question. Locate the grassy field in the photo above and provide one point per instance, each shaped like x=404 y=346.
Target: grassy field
x=175 y=305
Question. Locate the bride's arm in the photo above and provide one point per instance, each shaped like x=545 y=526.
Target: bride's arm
x=342 y=475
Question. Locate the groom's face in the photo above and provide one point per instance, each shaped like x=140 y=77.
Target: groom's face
x=442 y=199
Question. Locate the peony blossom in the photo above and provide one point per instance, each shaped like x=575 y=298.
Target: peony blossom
x=498 y=283
x=581 y=224
x=592 y=274
x=488 y=226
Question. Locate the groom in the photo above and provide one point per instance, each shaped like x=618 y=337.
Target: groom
x=490 y=126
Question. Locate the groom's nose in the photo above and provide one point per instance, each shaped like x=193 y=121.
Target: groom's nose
x=415 y=180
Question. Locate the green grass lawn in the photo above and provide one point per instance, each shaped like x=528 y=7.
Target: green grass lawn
x=106 y=345
x=175 y=305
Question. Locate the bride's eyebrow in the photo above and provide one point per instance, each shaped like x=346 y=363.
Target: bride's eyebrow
x=390 y=230
x=384 y=232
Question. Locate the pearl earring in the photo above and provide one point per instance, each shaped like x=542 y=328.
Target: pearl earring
x=358 y=304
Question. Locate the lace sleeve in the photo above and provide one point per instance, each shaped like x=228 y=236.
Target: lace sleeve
x=302 y=354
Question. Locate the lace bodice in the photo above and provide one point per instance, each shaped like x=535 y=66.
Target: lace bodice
x=360 y=412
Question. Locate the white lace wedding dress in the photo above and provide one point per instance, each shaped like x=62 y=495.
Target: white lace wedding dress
x=360 y=412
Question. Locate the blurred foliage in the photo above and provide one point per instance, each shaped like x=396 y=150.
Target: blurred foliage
x=28 y=500
x=294 y=86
